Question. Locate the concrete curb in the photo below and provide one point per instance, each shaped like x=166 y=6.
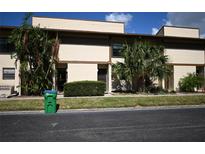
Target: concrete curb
x=105 y=110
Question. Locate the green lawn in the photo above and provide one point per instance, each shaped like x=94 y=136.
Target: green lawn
x=103 y=102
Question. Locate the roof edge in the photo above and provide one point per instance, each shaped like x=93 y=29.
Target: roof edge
x=8 y=27
x=81 y=19
x=109 y=33
x=187 y=27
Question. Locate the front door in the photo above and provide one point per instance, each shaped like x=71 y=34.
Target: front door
x=61 y=76
x=103 y=74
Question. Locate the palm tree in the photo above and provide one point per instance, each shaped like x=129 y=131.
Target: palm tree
x=37 y=54
x=144 y=62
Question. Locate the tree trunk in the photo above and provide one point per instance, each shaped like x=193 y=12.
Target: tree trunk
x=135 y=85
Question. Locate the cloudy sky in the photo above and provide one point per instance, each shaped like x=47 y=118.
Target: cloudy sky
x=139 y=22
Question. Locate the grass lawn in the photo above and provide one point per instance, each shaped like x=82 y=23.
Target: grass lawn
x=103 y=102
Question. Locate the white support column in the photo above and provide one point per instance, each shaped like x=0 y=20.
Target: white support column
x=109 y=78
x=17 y=78
x=163 y=83
x=67 y=73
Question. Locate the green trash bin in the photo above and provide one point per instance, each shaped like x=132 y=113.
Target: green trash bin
x=50 y=101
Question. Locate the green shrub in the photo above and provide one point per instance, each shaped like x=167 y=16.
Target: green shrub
x=84 y=88
x=190 y=82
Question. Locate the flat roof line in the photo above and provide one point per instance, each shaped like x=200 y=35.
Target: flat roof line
x=122 y=34
x=8 y=27
x=176 y=27
x=109 y=33
x=187 y=27
x=80 y=19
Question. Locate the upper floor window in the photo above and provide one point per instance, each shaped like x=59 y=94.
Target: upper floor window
x=8 y=73
x=116 y=50
x=5 y=46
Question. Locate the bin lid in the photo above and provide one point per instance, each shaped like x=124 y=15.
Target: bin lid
x=50 y=91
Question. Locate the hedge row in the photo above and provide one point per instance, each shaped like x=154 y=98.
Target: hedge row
x=84 y=88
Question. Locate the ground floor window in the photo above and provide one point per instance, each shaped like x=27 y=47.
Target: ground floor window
x=8 y=73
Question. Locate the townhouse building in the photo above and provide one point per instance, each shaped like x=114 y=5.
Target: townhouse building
x=89 y=48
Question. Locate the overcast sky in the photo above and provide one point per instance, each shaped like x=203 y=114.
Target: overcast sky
x=139 y=22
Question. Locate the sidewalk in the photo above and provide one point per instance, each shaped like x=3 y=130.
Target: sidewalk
x=106 y=95
x=139 y=108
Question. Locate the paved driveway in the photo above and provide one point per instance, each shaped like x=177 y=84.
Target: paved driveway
x=124 y=125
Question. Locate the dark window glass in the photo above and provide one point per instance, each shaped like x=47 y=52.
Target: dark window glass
x=5 y=46
x=200 y=71
x=116 y=50
x=8 y=73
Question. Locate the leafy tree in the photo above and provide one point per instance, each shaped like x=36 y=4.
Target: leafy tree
x=144 y=62
x=190 y=82
x=36 y=52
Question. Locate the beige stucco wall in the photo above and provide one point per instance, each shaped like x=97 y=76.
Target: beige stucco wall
x=72 y=52
x=79 y=25
x=182 y=56
x=6 y=62
x=181 y=32
x=79 y=72
x=115 y=60
x=180 y=72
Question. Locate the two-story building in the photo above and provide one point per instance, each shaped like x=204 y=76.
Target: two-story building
x=89 y=48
